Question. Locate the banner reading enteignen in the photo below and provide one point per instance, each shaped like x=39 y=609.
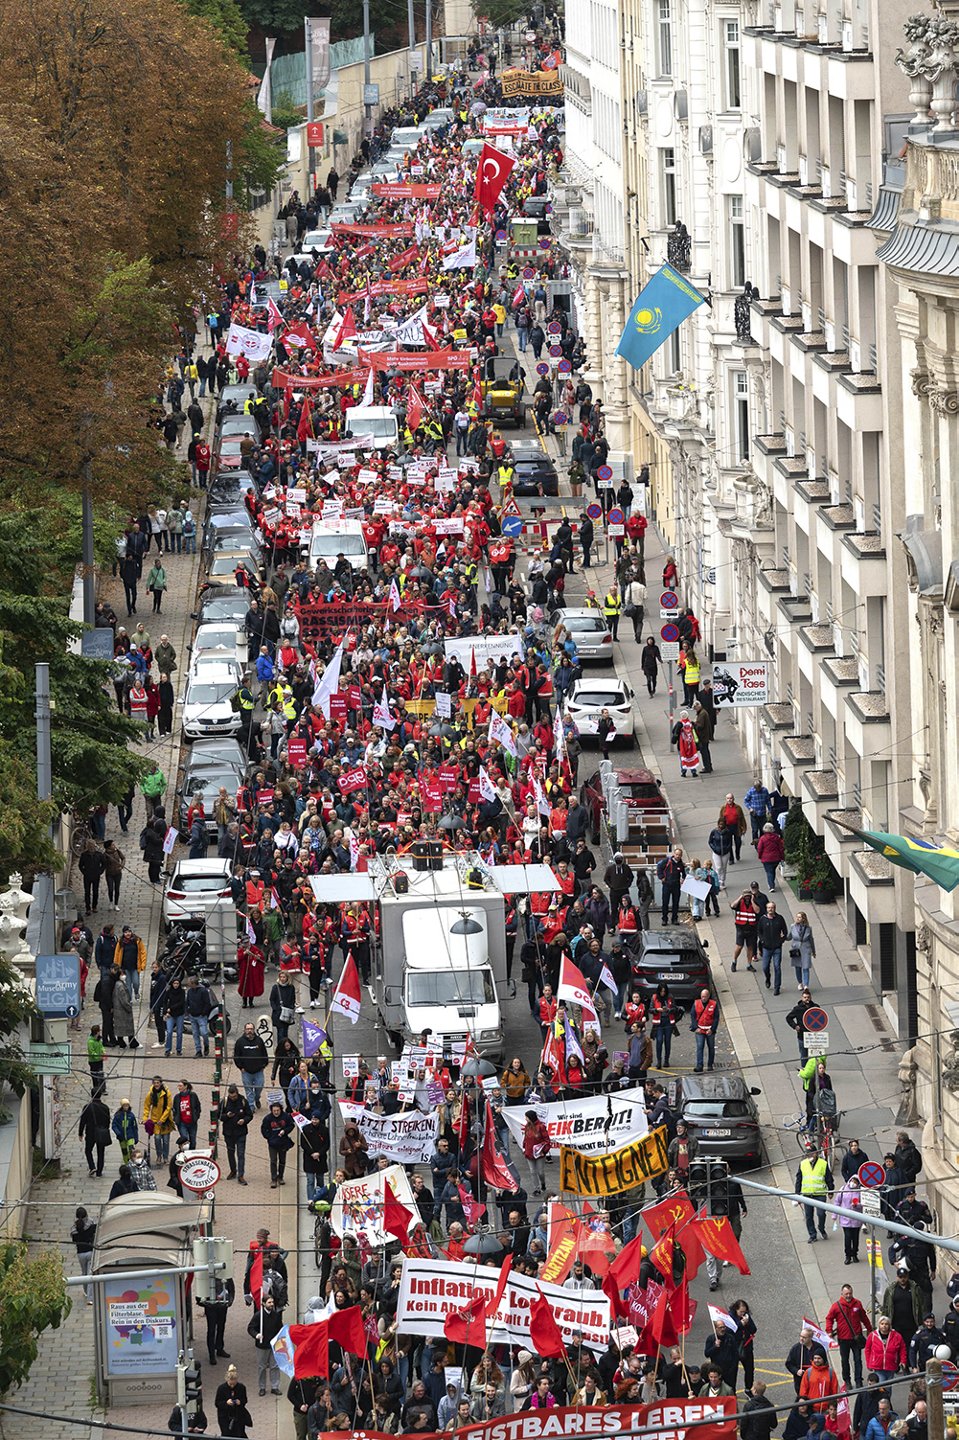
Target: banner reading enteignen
x=617 y=1170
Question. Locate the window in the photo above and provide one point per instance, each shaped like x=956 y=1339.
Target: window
x=731 y=60
x=737 y=242
x=665 y=37
x=669 y=187
x=675 y=354
x=741 y=413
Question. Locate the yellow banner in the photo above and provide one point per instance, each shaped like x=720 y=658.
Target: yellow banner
x=626 y=1169
x=526 y=82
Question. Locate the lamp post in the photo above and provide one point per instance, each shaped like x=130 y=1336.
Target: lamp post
x=478 y=1070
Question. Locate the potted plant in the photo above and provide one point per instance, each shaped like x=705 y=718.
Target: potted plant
x=823 y=880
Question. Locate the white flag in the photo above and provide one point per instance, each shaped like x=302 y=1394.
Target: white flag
x=606 y=978
x=395 y=601
x=366 y=399
x=542 y=804
x=716 y=1314
x=333 y=329
x=486 y=788
x=329 y=682
x=500 y=731
x=818 y=1334
x=463 y=257
x=559 y=737
x=254 y=344
x=381 y=713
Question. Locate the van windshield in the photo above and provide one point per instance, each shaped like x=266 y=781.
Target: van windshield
x=382 y=427
x=332 y=545
x=450 y=987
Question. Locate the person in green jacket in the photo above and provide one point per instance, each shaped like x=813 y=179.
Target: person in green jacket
x=152 y=788
x=156 y=584
x=98 y=1084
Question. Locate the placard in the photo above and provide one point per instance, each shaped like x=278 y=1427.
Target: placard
x=616 y=1171
x=742 y=683
x=408 y=1138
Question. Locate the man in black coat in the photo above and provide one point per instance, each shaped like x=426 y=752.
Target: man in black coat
x=586 y=533
x=722 y=1350
x=103 y=995
x=758 y=1420
x=94 y=1131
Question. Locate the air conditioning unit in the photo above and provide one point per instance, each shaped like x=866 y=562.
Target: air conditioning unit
x=705 y=139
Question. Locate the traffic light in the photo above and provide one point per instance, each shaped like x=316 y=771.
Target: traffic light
x=188 y=1383
x=717 y=1187
x=697 y=1182
x=205 y=1281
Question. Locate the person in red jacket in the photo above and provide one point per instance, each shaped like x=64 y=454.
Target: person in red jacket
x=818 y=1384
x=547 y=1009
x=847 y=1322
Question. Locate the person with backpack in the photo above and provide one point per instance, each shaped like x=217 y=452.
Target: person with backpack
x=83 y=1235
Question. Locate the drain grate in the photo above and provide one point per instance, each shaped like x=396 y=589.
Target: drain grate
x=878 y=1018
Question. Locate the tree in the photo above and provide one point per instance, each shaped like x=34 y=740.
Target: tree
x=33 y=1298
x=501 y=14
x=227 y=20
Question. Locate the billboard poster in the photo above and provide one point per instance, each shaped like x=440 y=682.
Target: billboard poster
x=737 y=684
x=140 y=1327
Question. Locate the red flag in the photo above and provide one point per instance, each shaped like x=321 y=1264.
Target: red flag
x=256 y=1279
x=661 y=1326
x=274 y=315
x=396 y=1217
x=493 y=1167
x=519 y=296
x=554 y=1055
x=347 y=1328
x=544 y=1333
x=463 y=1127
x=843 y=1421
x=617 y=1309
x=414 y=408
x=433 y=341
x=346 y=996
x=717 y=1236
x=500 y=1290
x=492 y=172
x=478 y=393
x=347 y=330
x=310 y=1350
x=299 y=334
x=662 y=1257
x=287 y=397
x=671 y=1213
x=572 y=986
x=625 y=1268
x=468 y=1326
x=682 y=1307
x=304 y=429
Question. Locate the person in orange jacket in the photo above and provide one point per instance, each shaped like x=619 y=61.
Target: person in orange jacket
x=818 y=1384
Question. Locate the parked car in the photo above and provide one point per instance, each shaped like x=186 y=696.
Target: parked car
x=196 y=889
x=203 y=775
x=219 y=640
x=721 y=1114
x=534 y=471
x=207 y=703
x=537 y=207
x=223 y=567
x=589 y=629
x=225 y=605
x=436 y=119
x=227 y=491
x=676 y=955
x=589 y=697
x=640 y=788
x=217 y=748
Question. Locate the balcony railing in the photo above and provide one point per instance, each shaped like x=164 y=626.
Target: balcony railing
x=679 y=247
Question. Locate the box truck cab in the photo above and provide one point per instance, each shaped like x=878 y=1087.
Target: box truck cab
x=376 y=420
x=449 y=986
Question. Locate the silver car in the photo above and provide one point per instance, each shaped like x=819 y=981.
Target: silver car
x=594 y=640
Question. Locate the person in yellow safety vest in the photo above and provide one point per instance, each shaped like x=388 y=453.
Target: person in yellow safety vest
x=504 y=475
x=689 y=662
x=611 y=608
x=248 y=406
x=814 y=1178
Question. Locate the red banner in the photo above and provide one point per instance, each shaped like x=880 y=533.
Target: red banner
x=353 y=780
x=384 y=287
x=397 y=190
x=285 y=379
x=668 y=1417
x=405 y=258
x=447 y=776
x=402 y=231
x=296 y=752
x=425 y=360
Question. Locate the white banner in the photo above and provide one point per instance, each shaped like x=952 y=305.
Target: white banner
x=431 y=1289
x=358 y=1206
x=740 y=683
x=592 y=1126
x=254 y=344
x=487 y=649
x=409 y=1138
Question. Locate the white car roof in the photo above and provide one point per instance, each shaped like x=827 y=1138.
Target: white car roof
x=216 y=670
x=204 y=867
x=605 y=684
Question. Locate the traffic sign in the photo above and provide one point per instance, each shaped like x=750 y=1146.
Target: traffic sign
x=554 y=328
x=669 y=633
x=545 y=241
x=49 y=1059
x=872 y=1174
x=529 y=273
x=816 y=1043
x=594 y=511
x=950 y=1375
x=510 y=507
x=512 y=526
x=815 y=1018
x=605 y=472
x=871 y=1202
x=501 y=237
x=560 y=418
x=669 y=600
x=564 y=367
x=615 y=516
x=669 y=650
x=542 y=368
x=199 y=1173
x=556 y=351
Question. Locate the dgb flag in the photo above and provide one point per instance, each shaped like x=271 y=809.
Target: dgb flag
x=663 y=304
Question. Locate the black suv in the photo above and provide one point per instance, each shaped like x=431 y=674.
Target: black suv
x=677 y=956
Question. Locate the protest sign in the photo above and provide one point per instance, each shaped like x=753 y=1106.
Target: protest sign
x=594 y=1125
x=409 y=1138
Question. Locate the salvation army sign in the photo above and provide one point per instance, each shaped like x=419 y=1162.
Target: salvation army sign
x=713 y=1420
x=431 y=1289
x=593 y=1126
x=738 y=684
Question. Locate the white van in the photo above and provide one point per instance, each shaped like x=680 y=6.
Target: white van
x=331 y=538
x=407 y=136
x=376 y=420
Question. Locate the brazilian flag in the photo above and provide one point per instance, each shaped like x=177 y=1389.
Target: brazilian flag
x=922 y=857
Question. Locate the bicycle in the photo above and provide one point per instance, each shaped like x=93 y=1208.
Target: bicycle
x=817 y=1133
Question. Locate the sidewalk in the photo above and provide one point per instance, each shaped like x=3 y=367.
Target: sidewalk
x=867 y=1084
x=69 y=1352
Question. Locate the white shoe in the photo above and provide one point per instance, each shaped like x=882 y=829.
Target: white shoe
x=314 y=1004
x=158 y=1046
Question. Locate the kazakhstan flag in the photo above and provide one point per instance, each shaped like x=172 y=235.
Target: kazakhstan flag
x=922 y=857
x=664 y=303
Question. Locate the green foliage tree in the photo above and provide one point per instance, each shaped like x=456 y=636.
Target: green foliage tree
x=285 y=113
x=33 y=1298
x=227 y=20
x=501 y=14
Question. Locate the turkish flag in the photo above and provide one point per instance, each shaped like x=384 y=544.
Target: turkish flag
x=311 y=1351
x=492 y=172
x=545 y=1334
x=716 y=1234
x=396 y=1217
x=347 y=1328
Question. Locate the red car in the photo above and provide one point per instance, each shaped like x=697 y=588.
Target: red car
x=640 y=790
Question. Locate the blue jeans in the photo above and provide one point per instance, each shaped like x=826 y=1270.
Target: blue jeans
x=131 y=979
x=774 y=958
x=200 y=1026
x=523 y=337
x=253 y=1086
x=704 y=1042
x=313 y=1183
x=174 y=1022
x=664 y=1043
x=188 y=1132
x=189 y=544
x=770 y=870
x=161 y=1144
